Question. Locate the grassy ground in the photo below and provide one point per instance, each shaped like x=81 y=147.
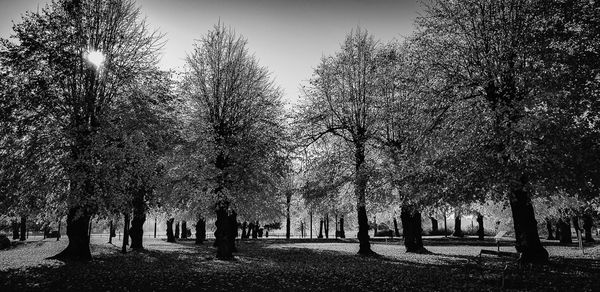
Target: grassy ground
x=297 y=265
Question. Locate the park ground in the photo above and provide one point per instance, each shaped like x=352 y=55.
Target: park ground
x=295 y=265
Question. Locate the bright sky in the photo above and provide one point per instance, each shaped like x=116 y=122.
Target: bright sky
x=287 y=36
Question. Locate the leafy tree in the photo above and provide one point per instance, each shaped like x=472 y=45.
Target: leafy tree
x=515 y=61
x=342 y=101
x=240 y=115
x=70 y=95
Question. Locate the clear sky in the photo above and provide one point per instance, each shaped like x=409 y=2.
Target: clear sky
x=287 y=36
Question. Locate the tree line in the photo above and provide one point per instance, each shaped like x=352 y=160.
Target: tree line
x=485 y=101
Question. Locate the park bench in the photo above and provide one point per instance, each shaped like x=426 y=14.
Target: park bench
x=498 y=252
x=483 y=267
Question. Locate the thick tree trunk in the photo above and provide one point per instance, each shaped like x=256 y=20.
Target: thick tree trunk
x=360 y=189
x=170 y=235
x=223 y=231
x=200 y=230
x=90 y=229
x=412 y=230
x=137 y=224
x=250 y=230
x=588 y=223
x=233 y=230
x=480 y=229
x=457 y=228
x=396 y=230
x=78 y=248
x=23 y=227
x=526 y=231
x=183 y=229
x=434 y=225
x=326 y=226
x=558 y=224
x=255 y=230
x=177 y=230
x=244 y=226
x=549 y=228
x=15 y=229
x=126 y=234
x=565 y=231
x=342 y=232
x=320 y=228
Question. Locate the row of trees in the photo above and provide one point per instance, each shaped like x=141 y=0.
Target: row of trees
x=92 y=126
x=487 y=100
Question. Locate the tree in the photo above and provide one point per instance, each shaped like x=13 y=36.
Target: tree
x=53 y=51
x=240 y=113
x=342 y=101
x=487 y=56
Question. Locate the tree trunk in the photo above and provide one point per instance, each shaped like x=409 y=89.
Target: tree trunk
x=412 y=230
x=200 y=230
x=155 y=226
x=110 y=232
x=90 y=228
x=434 y=225
x=549 y=228
x=480 y=229
x=360 y=189
x=255 y=228
x=78 y=248
x=23 y=228
x=15 y=229
x=223 y=231
x=244 y=226
x=326 y=225
x=374 y=226
x=320 y=228
x=457 y=228
x=342 y=232
x=127 y=219
x=311 y=226
x=233 y=230
x=526 y=232
x=588 y=223
x=396 y=230
x=183 y=229
x=558 y=224
x=177 y=230
x=170 y=235
x=137 y=224
x=565 y=231
x=288 y=221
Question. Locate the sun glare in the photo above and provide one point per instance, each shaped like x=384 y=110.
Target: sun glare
x=96 y=58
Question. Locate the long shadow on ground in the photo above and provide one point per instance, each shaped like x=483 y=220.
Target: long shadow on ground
x=184 y=266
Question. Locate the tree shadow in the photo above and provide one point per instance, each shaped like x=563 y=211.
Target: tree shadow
x=186 y=266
